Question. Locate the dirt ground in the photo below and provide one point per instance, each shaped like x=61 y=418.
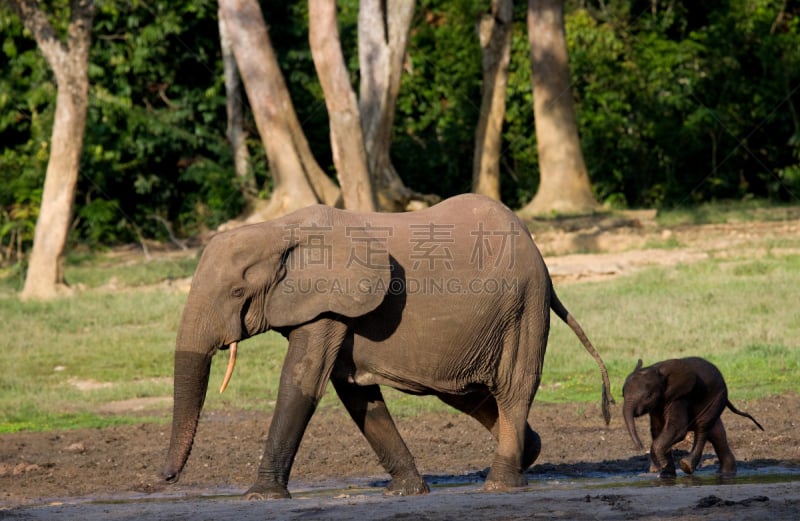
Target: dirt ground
x=586 y=470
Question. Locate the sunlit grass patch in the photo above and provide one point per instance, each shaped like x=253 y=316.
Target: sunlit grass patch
x=716 y=212
x=93 y=272
x=66 y=360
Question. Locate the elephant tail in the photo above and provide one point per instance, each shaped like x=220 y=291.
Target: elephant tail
x=742 y=413
x=566 y=316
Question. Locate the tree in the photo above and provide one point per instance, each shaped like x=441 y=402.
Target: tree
x=347 y=140
x=383 y=28
x=235 y=132
x=564 y=182
x=494 y=32
x=298 y=181
x=69 y=61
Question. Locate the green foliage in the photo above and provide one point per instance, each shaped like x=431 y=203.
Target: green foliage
x=687 y=104
x=681 y=105
x=25 y=122
x=439 y=100
x=153 y=146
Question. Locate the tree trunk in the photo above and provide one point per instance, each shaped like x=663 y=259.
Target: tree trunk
x=494 y=32
x=564 y=183
x=383 y=27
x=347 y=140
x=298 y=181
x=70 y=64
x=235 y=132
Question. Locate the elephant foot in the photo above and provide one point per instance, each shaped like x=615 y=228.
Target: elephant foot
x=496 y=481
x=686 y=466
x=260 y=492
x=413 y=486
x=667 y=473
x=533 y=446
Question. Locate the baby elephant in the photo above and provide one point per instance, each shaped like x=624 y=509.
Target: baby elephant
x=681 y=395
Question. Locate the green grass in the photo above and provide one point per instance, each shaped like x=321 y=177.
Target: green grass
x=750 y=210
x=87 y=270
x=742 y=314
x=93 y=272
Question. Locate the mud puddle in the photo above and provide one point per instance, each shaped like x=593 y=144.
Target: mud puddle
x=467 y=483
x=757 y=493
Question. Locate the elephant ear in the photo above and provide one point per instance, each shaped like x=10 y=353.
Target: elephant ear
x=680 y=379
x=632 y=376
x=328 y=268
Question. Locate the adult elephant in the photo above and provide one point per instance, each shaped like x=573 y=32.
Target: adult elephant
x=452 y=301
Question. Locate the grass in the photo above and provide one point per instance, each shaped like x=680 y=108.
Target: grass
x=65 y=361
x=716 y=212
x=94 y=271
x=88 y=270
x=741 y=315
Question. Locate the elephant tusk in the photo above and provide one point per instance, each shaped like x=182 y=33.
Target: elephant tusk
x=229 y=370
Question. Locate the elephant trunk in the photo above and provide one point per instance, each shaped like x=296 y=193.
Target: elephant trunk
x=628 y=413
x=190 y=385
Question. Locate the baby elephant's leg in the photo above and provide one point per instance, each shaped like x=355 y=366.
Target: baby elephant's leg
x=675 y=425
x=657 y=462
x=719 y=440
x=690 y=462
x=656 y=426
x=661 y=451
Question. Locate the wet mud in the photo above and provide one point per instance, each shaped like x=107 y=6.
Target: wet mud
x=586 y=470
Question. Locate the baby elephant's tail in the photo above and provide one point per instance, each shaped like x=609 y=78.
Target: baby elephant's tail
x=742 y=413
x=559 y=309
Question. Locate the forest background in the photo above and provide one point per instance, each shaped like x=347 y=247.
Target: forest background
x=677 y=103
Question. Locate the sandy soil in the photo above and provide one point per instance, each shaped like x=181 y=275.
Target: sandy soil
x=586 y=470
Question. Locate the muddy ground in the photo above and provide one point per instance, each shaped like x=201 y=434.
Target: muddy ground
x=586 y=470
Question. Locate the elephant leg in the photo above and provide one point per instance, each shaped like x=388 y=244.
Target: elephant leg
x=514 y=385
x=675 y=427
x=690 y=462
x=369 y=412
x=656 y=426
x=719 y=440
x=506 y=471
x=483 y=407
x=306 y=369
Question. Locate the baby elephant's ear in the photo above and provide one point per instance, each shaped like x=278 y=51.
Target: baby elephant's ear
x=329 y=268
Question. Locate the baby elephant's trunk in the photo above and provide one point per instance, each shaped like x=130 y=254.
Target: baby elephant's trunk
x=630 y=422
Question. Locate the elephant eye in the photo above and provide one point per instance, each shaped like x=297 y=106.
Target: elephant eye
x=237 y=292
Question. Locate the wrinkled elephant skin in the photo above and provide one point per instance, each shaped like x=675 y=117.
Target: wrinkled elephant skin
x=453 y=301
